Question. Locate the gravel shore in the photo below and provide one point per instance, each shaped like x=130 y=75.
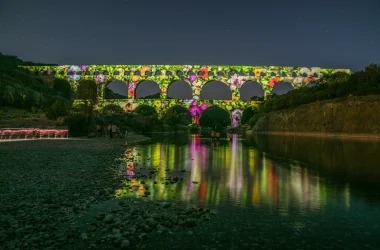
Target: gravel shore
x=56 y=194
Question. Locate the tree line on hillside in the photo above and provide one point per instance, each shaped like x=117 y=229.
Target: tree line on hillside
x=20 y=89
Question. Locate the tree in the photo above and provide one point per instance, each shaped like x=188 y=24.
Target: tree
x=178 y=114
x=145 y=110
x=63 y=87
x=215 y=116
x=112 y=109
x=172 y=119
x=60 y=108
x=248 y=113
x=87 y=91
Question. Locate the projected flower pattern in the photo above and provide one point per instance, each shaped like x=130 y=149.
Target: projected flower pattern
x=197 y=76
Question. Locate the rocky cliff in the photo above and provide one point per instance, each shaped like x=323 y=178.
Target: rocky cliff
x=349 y=115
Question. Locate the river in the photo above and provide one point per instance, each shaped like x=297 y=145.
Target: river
x=269 y=192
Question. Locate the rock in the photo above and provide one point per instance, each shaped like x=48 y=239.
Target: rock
x=151 y=222
x=122 y=203
x=166 y=205
x=108 y=218
x=84 y=236
x=125 y=244
x=190 y=223
x=143 y=236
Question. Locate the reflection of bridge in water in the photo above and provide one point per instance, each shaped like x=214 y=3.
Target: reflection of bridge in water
x=228 y=172
x=234 y=79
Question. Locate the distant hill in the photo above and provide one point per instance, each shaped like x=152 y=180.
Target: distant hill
x=7 y=61
x=153 y=96
x=20 y=89
x=109 y=94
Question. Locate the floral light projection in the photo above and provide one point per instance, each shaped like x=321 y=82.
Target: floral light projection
x=196 y=110
x=236 y=115
x=196 y=75
x=100 y=78
x=72 y=73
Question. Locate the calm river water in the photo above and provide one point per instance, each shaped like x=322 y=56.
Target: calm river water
x=272 y=192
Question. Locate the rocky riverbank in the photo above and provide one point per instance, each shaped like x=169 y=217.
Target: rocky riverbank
x=58 y=194
x=347 y=117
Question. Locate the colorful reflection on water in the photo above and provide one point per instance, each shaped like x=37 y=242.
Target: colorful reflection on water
x=232 y=173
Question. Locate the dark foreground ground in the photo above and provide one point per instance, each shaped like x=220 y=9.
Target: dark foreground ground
x=64 y=194
x=60 y=194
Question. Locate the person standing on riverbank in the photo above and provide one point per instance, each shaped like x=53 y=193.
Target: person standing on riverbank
x=109 y=129
x=217 y=136
x=114 y=131
x=98 y=130
x=212 y=135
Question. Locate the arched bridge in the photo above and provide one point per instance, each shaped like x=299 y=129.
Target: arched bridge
x=234 y=78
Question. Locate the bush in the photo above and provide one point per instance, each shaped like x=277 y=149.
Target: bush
x=254 y=119
x=195 y=128
x=112 y=108
x=58 y=109
x=78 y=124
x=248 y=113
x=63 y=87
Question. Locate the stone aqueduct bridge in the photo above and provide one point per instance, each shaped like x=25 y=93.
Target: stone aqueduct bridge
x=197 y=76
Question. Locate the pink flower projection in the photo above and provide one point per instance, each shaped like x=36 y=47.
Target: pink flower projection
x=196 y=110
x=192 y=78
x=100 y=78
x=131 y=89
x=236 y=117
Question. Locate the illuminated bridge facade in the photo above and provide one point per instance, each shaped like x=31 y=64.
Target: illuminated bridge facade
x=233 y=78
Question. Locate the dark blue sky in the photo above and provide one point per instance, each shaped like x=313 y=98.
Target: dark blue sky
x=325 y=33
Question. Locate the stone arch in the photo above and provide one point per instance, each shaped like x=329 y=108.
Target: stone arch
x=281 y=88
x=251 y=89
x=179 y=89
x=116 y=89
x=215 y=115
x=147 y=89
x=215 y=90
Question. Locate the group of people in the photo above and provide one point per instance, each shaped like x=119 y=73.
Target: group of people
x=112 y=131
x=216 y=136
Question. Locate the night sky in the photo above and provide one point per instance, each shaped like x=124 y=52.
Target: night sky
x=324 y=33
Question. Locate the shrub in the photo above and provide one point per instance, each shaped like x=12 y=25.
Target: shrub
x=58 y=109
x=79 y=125
x=63 y=87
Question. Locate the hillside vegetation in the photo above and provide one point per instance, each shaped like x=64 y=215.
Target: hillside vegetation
x=21 y=89
x=339 y=103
